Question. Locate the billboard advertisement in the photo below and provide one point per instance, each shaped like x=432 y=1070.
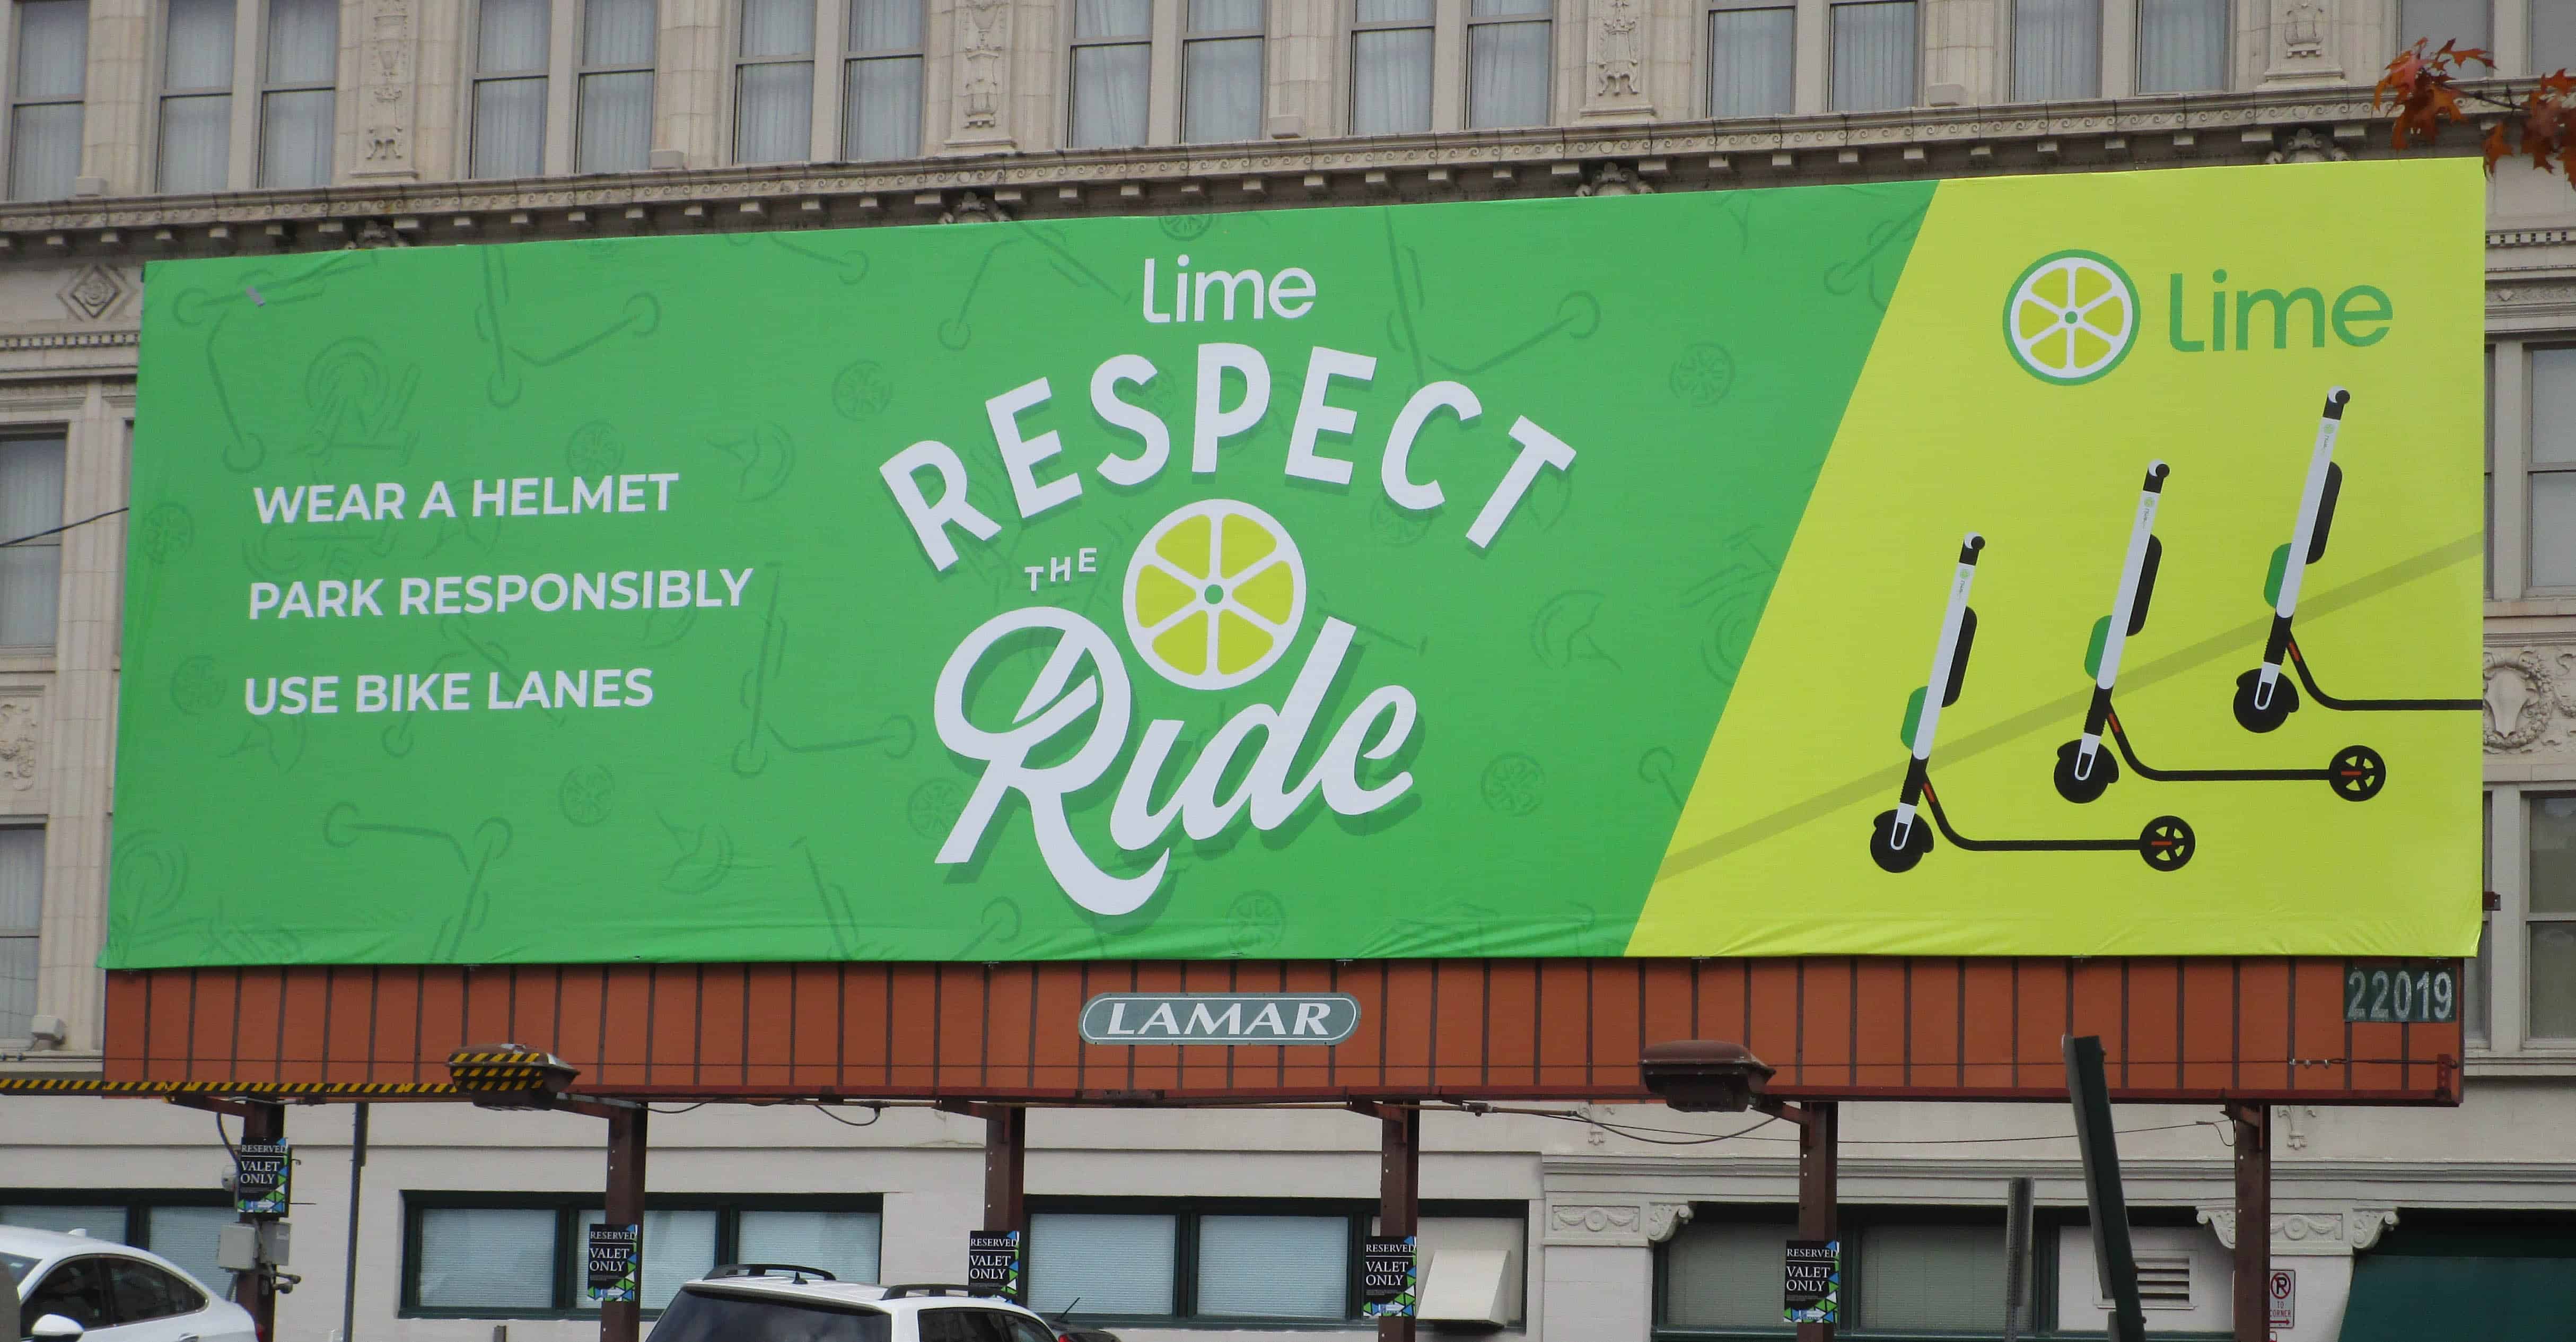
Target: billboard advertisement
x=2081 y=565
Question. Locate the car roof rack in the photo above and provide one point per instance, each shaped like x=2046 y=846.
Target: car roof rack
x=795 y=1270
x=921 y=1288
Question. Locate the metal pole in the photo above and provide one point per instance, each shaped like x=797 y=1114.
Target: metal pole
x=256 y=1291
x=1818 y=1179
x=2113 y=1260
x=1006 y=1167
x=2018 y=1196
x=2253 y=1123
x=349 y=1264
x=620 y=1320
x=1399 y=1192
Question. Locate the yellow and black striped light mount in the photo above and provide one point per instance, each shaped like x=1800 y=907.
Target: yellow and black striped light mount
x=271 y=1090
x=508 y=1076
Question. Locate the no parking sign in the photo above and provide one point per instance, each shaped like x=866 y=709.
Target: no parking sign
x=2284 y=1294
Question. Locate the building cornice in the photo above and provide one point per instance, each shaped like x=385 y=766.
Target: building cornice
x=2331 y=122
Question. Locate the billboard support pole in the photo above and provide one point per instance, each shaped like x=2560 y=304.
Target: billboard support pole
x=2253 y=1124
x=2018 y=1197
x=1006 y=1167
x=262 y=1121
x=1819 y=1134
x=1399 y=1192
x=2114 y=1262
x=621 y=1320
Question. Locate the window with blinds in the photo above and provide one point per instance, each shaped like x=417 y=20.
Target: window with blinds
x=845 y=1244
x=31 y=572
x=1877 y=55
x=881 y=100
x=679 y=1246
x=497 y=1256
x=2471 y=23
x=614 y=115
x=2182 y=45
x=179 y=1226
x=1233 y=1261
x=1111 y=73
x=1724 y=1274
x=773 y=80
x=1390 y=67
x=510 y=55
x=1114 y=1264
x=48 y=78
x=299 y=83
x=1752 y=58
x=491 y=1258
x=1507 y=67
x=195 y=148
x=1274 y=1267
x=1931 y=1277
x=1221 y=74
x=2056 y=50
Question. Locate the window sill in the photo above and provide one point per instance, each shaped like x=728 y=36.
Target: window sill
x=2531 y=1062
x=511 y=1315
x=23 y=658
x=2536 y=606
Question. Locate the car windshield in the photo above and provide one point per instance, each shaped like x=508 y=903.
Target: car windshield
x=710 y=1317
x=17 y=1264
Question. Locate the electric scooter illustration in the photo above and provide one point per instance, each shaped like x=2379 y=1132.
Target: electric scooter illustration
x=2263 y=699
x=2085 y=768
x=1899 y=839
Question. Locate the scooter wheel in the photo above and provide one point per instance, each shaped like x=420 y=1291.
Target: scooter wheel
x=2285 y=701
x=2357 y=773
x=1883 y=848
x=2104 y=773
x=2166 y=843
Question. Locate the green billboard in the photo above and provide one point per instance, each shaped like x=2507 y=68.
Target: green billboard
x=1515 y=578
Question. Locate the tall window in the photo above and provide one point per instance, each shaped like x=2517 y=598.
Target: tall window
x=2553 y=467
x=180 y=1225
x=2057 y=49
x=2478 y=989
x=196 y=96
x=1912 y=1271
x=2553 y=36
x=773 y=82
x=31 y=574
x=2551 y=909
x=510 y=88
x=1875 y=55
x=2471 y=23
x=45 y=98
x=1390 y=67
x=22 y=907
x=615 y=120
x=1752 y=58
x=1221 y=73
x=2182 y=45
x=1112 y=60
x=504 y=1256
x=1507 y=62
x=297 y=89
x=881 y=115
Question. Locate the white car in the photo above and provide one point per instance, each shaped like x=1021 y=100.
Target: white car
x=72 y=1286
x=764 y=1302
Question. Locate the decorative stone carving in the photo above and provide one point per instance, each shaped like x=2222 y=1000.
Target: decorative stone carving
x=2298 y=50
x=1615 y=80
x=1663 y=1218
x=973 y=208
x=1624 y=1223
x=389 y=61
x=2529 y=704
x=983 y=72
x=92 y=293
x=2307 y=145
x=374 y=233
x=1612 y=180
x=2310 y=1234
x=19 y=736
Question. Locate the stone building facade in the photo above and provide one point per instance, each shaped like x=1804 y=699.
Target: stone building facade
x=147 y=129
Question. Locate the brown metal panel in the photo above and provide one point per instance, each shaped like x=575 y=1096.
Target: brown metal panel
x=581 y=1008
x=1306 y=1065
x=1881 y=1037
x=1511 y=1023
x=1564 y=1021
x=671 y=1025
x=814 y=1036
x=1667 y=1012
x=1772 y=1028
x=724 y=1023
x=396 y=1045
x=487 y=1005
x=442 y=1019
x=304 y=1020
x=1459 y=994
x=867 y=1025
x=2263 y=1043
x=2373 y=1054
x=770 y=1021
x=2040 y=998
x=1255 y=1064
x=2100 y=1012
x=1721 y=997
x=1618 y=1030
x=1407 y=1019
x=912 y=999
x=172 y=1002
x=1011 y=995
x=534 y=990
x=348 y=1023
x=626 y=1025
x=259 y=1018
x=214 y=1000
x=2207 y=1039
x=1989 y=1043
x=1935 y=1011
x=2154 y=994
x=1828 y=1024
x=1205 y=1065
x=1157 y=1066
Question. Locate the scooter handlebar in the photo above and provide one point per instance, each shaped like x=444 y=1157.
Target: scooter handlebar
x=2156 y=473
x=2336 y=400
x=1968 y=548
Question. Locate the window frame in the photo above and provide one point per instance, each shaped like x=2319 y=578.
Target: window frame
x=1707 y=54
x=1181 y=84
x=1468 y=24
x=581 y=74
x=2011 y=53
x=18 y=100
x=737 y=63
x=851 y=57
x=476 y=77
x=1074 y=43
x=1353 y=26
x=268 y=87
x=2527 y=919
x=566 y=1275
x=33 y=934
x=2138 y=53
x=136 y=1203
x=1188 y=1212
x=45 y=433
x=163 y=95
x=1833 y=31
x=2528 y=465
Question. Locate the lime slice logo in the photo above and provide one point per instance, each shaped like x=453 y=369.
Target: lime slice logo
x=2071 y=317
x=1214 y=594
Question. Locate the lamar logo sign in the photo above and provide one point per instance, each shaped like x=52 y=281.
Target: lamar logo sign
x=1220 y=1018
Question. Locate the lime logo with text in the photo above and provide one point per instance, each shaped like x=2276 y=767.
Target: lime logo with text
x=2071 y=317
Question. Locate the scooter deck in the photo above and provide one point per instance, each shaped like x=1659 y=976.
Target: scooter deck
x=1941 y=818
x=2308 y=681
x=2142 y=769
